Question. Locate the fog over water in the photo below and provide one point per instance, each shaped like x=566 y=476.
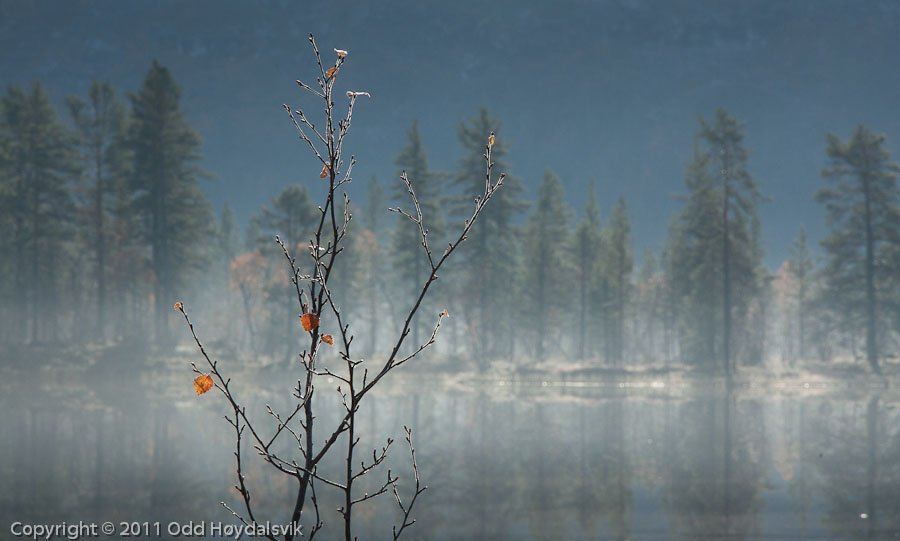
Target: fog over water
x=511 y=461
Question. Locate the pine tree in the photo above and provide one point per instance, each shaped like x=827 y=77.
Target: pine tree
x=372 y=258
x=545 y=232
x=292 y=216
x=253 y=235
x=801 y=266
x=586 y=244
x=408 y=258
x=862 y=212
x=490 y=257
x=617 y=263
x=675 y=286
x=175 y=214
x=39 y=203
x=227 y=237
x=375 y=206
x=224 y=252
x=130 y=276
x=693 y=266
x=7 y=262
x=648 y=302
x=740 y=251
x=716 y=258
x=7 y=224
x=100 y=124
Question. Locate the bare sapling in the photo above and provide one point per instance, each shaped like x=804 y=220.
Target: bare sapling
x=320 y=306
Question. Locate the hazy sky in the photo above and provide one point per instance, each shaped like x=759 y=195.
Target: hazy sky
x=607 y=90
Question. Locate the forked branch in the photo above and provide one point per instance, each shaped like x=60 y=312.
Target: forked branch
x=315 y=296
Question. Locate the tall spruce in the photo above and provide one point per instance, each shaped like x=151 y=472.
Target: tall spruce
x=227 y=237
x=718 y=257
x=586 y=250
x=490 y=257
x=801 y=266
x=674 y=286
x=252 y=234
x=375 y=208
x=224 y=251
x=693 y=268
x=40 y=165
x=176 y=216
x=545 y=258
x=292 y=216
x=7 y=224
x=410 y=265
x=739 y=249
x=648 y=303
x=129 y=277
x=373 y=260
x=100 y=125
x=617 y=263
x=862 y=212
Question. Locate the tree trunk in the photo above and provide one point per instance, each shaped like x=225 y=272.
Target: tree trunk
x=540 y=320
x=100 y=246
x=726 y=279
x=373 y=314
x=871 y=322
x=620 y=302
x=35 y=253
x=582 y=316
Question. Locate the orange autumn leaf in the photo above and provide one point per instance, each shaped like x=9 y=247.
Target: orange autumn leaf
x=445 y=312
x=324 y=172
x=491 y=140
x=310 y=321
x=331 y=72
x=328 y=339
x=203 y=383
x=340 y=52
x=178 y=305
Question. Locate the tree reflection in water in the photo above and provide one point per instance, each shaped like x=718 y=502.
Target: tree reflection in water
x=522 y=464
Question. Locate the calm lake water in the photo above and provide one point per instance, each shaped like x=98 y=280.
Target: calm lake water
x=502 y=462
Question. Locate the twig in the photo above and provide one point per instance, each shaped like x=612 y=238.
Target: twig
x=419 y=489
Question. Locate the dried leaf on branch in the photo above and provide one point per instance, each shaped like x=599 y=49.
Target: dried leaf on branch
x=309 y=321
x=203 y=383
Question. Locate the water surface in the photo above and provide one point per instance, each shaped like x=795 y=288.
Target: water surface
x=511 y=461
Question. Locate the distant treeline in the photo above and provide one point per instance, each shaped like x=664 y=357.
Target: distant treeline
x=104 y=227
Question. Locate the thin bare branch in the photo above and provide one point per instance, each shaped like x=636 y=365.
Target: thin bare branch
x=315 y=296
x=419 y=489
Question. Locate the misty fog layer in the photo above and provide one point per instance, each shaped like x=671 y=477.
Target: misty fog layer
x=604 y=463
